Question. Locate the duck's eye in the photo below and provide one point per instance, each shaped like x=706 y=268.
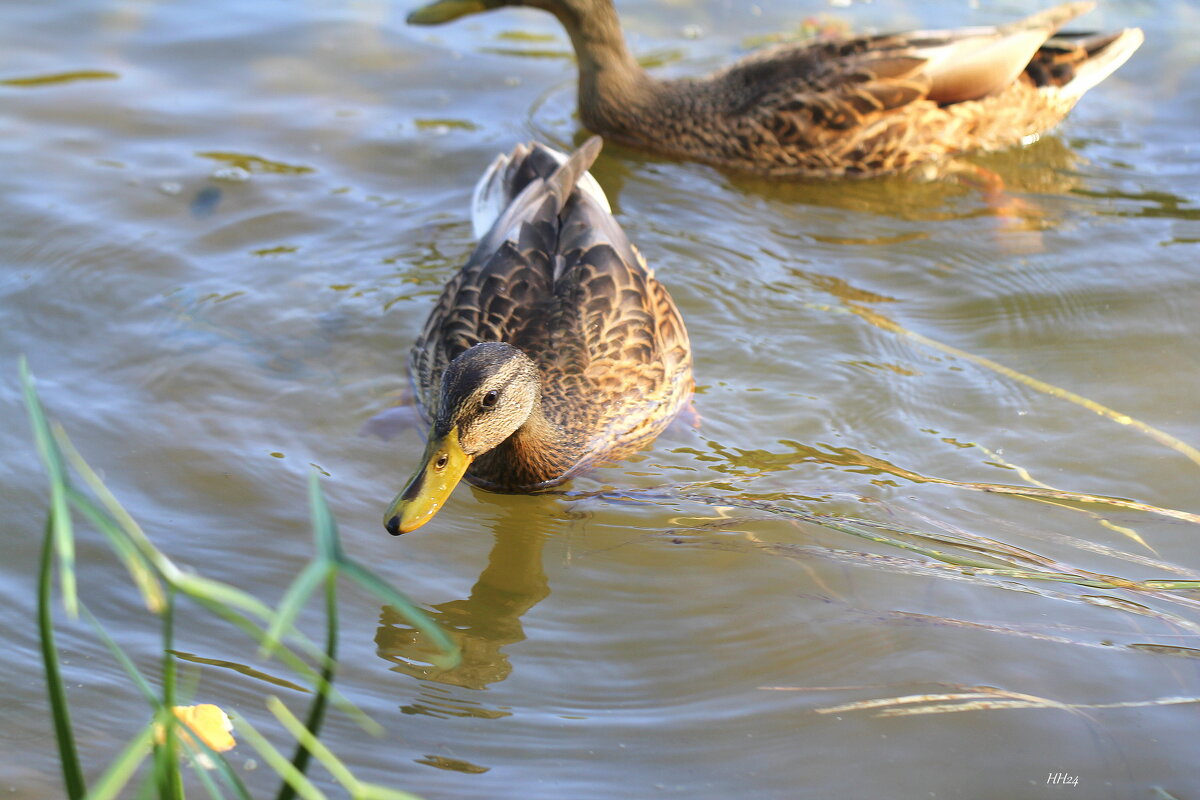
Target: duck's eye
x=490 y=398
x=441 y=462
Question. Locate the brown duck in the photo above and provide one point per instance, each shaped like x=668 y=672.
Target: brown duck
x=851 y=107
x=552 y=349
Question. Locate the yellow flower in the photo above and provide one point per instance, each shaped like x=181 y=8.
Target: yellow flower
x=208 y=723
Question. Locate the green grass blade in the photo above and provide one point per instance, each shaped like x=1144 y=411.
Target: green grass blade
x=413 y=615
x=256 y=632
x=369 y=791
x=166 y=758
x=230 y=777
x=125 y=661
x=205 y=590
x=60 y=517
x=118 y=519
x=106 y=497
x=308 y=740
x=325 y=533
x=168 y=644
x=1169 y=585
x=140 y=569
x=172 y=779
x=303 y=786
x=166 y=767
x=289 y=658
x=200 y=588
x=293 y=600
x=316 y=713
x=116 y=512
x=122 y=768
x=60 y=710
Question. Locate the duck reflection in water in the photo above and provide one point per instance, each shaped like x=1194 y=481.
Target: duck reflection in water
x=487 y=621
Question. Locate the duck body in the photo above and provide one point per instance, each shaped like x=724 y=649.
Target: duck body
x=552 y=349
x=852 y=107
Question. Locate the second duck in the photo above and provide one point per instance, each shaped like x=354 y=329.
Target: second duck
x=851 y=107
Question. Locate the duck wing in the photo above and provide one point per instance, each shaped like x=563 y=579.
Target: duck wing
x=864 y=100
x=555 y=276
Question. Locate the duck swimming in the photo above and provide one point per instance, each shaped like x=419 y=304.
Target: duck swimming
x=848 y=107
x=552 y=349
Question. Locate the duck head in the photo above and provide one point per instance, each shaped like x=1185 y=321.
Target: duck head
x=487 y=393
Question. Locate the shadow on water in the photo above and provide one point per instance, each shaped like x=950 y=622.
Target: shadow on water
x=488 y=620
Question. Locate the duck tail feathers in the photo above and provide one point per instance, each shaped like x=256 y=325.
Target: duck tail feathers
x=571 y=172
x=510 y=173
x=1105 y=54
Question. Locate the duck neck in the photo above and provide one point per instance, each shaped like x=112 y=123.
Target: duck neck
x=536 y=435
x=537 y=452
x=612 y=85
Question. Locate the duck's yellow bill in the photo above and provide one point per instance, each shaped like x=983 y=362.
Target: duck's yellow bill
x=447 y=10
x=441 y=469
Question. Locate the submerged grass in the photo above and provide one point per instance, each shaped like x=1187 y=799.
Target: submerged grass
x=962 y=556
x=936 y=552
x=1162 y=437
x=972 y=554
x=977 y=698
x=172 y=729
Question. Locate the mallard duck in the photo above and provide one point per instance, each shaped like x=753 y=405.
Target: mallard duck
x=552 y=349
x=851 y=107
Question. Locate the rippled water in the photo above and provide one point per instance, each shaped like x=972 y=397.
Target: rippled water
x=222 y=225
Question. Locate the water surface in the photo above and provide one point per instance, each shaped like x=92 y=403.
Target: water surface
x=224 y=223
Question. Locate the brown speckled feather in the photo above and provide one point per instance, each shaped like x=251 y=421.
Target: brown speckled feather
x=561 y=282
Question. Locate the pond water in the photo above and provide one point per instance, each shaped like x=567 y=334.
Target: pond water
x=222 y=224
